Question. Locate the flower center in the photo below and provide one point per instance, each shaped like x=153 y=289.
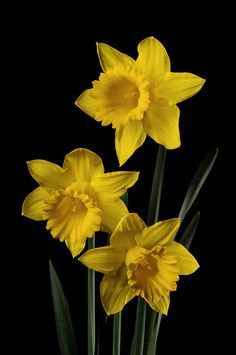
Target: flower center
x=151 y=273
x=72 y=214
x=122 y=94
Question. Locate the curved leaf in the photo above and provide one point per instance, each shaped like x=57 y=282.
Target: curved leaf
x=65 y=331
x=197 y=182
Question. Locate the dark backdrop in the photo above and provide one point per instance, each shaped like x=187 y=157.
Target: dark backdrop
x=50 y=59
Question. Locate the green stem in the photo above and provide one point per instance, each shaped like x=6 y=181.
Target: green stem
x=153 y=215
x=138 y=338
x=91 y=304
x=157 y=182
x=116 y=334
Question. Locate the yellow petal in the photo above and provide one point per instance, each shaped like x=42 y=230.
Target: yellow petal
x=159 y=233
x=115 y=292
x=87 y=103
x=186 y=262
x=109 y=56
x=114 y=185
x=50 y=176
x=83 y=164
x=75 y=247
x=153 y=59
x=125 y=232
x=104 y=259
x=161 y=306
x=112 y=212
x=33 y=204
x=178 y=87
x=129 y=138
x=161 y=123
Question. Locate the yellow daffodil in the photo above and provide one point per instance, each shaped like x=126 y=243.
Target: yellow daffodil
x=138 y=97
x=77 y=199
x=140 y=261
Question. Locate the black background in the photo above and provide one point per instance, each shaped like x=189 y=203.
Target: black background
x=49 y=59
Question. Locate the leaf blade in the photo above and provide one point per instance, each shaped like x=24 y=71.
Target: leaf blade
x=197 y=181
x=64 y=325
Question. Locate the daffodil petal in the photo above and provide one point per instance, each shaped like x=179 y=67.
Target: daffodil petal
x=112 y=212
x=152 y=59
x=178 y=87
x=115 y=292
x=83 y=164
x=159 y=233
x=125 y=232
x=161 y=306
x=87 y=103
x=114 y=185
x=75 y=247
x=186 y=262
x=161 y=123
x=109 y=56
x=49 y=175
x=33 y=204
x=104 y=259
x=128 y=139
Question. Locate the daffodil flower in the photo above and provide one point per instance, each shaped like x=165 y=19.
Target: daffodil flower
x=138 y=97
x=77 y=199
x=140 y=261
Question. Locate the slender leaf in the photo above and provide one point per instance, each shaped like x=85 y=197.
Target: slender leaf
x=116 y=334
x=187 y=236
x=139 y=332
x=65 y=331
x=155 y=198
x=197 y=182
x=91 y=304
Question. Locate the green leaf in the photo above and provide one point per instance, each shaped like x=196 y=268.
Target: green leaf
x=197 y=182
x=116 y=334
x=155 y=198
x=65 y=331
x=187 y=236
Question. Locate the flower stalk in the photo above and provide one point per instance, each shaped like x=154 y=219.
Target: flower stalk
x=91 y=304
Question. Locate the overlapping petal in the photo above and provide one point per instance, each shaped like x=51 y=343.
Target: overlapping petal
x=49 y=175
x=87 y=103
x=113 y=185
x=112 y=212
x=161 y=123
x=83 y=164
x=125 y=232
x=33 y=204
x=128 y=139
x=104 y=259
x=115 y=292
x=152 y=59
x=159 y=233
x=109 y=56
x=161 y=305
x=177 y=87
x=186 y=261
